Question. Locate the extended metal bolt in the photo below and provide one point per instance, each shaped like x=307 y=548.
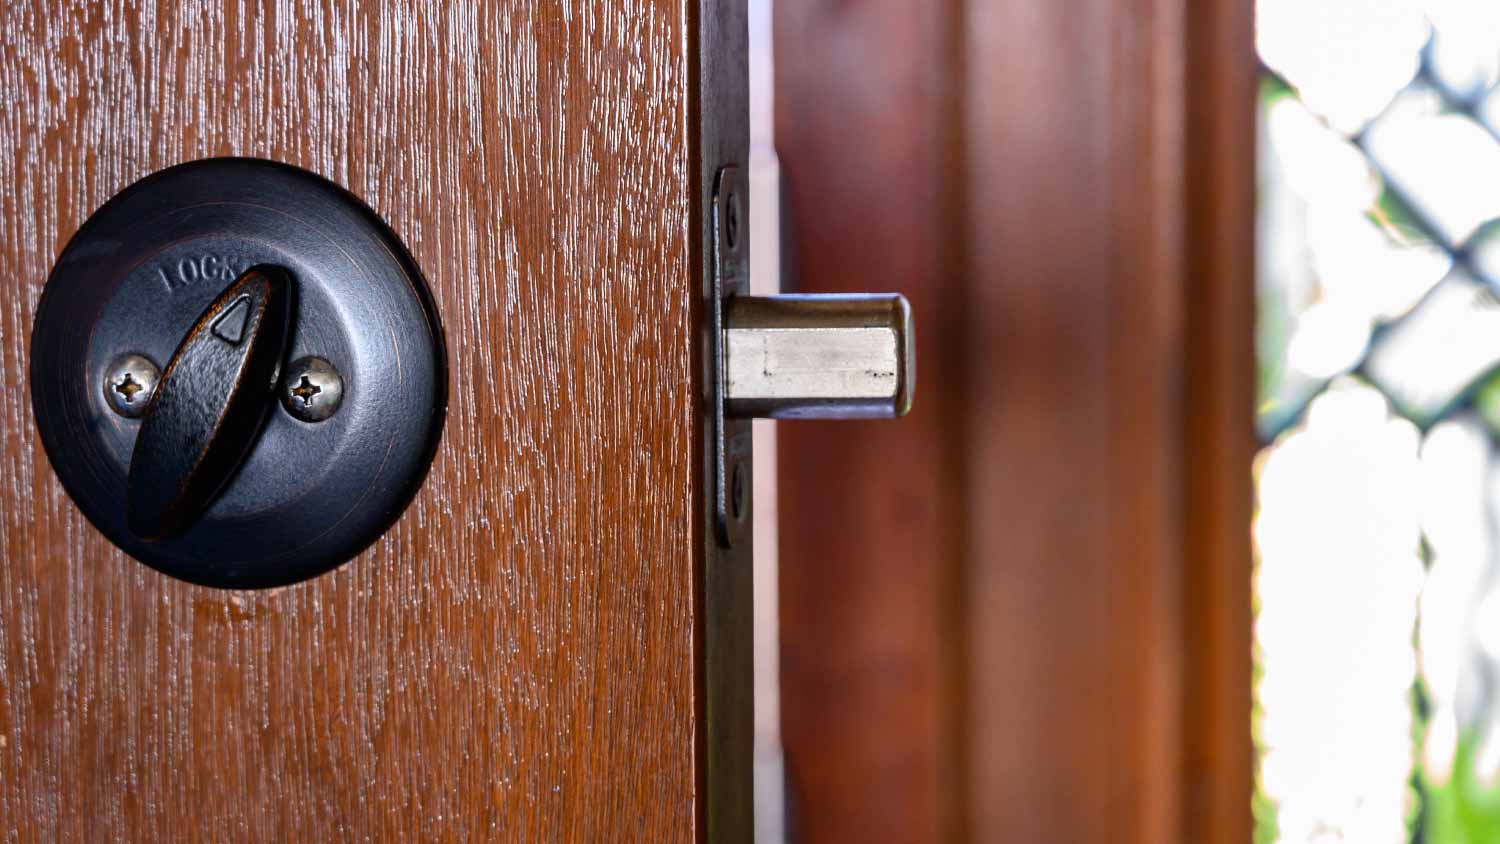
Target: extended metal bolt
x=818 y=357
x=312 y=390
x=129 y=384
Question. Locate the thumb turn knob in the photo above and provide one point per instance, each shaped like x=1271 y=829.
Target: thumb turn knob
x=209 y=404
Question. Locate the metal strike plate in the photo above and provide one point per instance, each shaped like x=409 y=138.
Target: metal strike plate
x=731 y=438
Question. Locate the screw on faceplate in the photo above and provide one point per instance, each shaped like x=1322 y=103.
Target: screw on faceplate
x=732 y=221
x=311 y=389
x=737 y=492
x=129 y=383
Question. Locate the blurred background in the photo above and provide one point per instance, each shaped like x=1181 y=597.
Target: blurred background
x=1377 y=628
x=1192 y=533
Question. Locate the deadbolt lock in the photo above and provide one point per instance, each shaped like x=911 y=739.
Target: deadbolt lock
x=238 y=373
x=791 y=356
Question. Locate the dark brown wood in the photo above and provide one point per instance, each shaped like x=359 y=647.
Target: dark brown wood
x=864 y=93
x=1217 y=754
x=519 y=658
x=1023 y=612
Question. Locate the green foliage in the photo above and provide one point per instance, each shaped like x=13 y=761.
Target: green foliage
x=1266 y=829
x=1399 y=222
x=1273 y=88
x=1487 y=401
x=1464 y=809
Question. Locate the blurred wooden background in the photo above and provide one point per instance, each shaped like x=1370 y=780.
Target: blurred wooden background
x=1023 y=613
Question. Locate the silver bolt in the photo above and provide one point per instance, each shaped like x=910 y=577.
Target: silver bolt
x=312 y=390
x=818 y=357
x=129 y=384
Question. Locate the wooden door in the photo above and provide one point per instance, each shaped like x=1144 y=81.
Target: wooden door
x=548 y=645
x=1024 y=613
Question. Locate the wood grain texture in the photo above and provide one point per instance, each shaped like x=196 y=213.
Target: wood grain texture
x=515 y=660
x=1022 y=613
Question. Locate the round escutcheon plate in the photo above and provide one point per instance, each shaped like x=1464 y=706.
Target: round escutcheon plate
x=303 y=496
